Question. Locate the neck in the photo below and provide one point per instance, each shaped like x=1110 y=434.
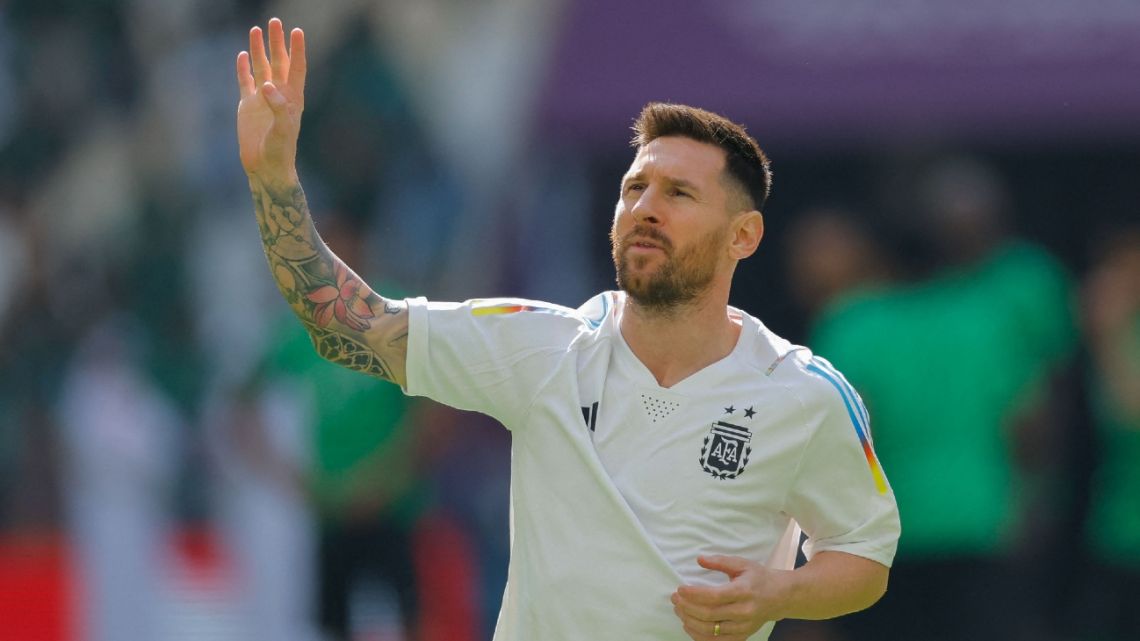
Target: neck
x=677 y=342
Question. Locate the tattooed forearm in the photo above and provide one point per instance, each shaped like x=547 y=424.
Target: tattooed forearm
x=286 y=227
x=320 y=288
x=336 y=306
x=343 y=350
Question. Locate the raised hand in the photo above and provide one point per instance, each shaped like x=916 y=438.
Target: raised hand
x=272 y=99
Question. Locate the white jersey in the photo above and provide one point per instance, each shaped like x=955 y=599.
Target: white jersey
x=618 y=484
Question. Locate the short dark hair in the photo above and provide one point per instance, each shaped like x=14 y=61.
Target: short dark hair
x=745 y=162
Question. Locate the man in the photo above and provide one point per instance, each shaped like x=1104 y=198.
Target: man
x=994 y=327
x=660 y=438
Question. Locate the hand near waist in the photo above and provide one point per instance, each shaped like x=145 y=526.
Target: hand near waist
x=735 y=610
x=830 y=585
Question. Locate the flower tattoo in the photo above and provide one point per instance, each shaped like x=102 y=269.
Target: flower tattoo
x=345 y=301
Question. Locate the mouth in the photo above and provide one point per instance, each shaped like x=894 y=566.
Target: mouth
x=643 y=245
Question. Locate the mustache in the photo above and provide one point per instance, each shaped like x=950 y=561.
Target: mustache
x=647 y=233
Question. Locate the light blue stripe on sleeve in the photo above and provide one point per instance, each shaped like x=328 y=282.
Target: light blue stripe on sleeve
x=856 y=419
x=855 y=398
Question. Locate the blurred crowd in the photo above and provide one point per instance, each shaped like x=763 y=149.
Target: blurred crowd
x=165 y=422
x=1003 y=392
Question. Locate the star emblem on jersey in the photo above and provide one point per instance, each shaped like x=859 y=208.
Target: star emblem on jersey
x=724 y=454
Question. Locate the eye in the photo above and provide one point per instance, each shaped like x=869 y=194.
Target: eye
x=634 y=187
x=680 y=192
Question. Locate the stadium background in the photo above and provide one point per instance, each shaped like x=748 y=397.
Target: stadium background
x=474 y=149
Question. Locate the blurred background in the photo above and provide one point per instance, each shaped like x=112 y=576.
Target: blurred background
x=954 y=224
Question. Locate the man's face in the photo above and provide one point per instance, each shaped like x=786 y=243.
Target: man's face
x=672 y=223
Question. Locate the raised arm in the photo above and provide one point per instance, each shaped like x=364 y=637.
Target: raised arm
x=349 y=323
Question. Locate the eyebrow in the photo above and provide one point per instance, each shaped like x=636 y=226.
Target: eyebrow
x=676 y=182
x=626 y=179
x=681 y=182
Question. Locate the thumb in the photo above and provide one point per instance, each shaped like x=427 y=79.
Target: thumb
x=274 y=97
x=733 y=566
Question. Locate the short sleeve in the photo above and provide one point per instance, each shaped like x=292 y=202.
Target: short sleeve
x=840 y=494
x=490 y=356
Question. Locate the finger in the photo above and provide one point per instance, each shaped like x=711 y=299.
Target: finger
x=710 y=595
x=278 y=57
x=728 y=631
x=697 y=611
x=274 y=97
x=697 y=635
x=298 y=63
x=257 y=56
x=690 y=624
x=712 y=614
x=733 y=566
x=704 y=632
x=244 y=77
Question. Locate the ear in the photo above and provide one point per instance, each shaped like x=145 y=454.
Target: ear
x=747 y=230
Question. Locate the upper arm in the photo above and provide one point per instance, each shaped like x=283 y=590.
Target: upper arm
x=840 y=495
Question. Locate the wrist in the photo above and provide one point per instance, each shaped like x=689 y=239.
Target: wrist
x=277 y=181
x=784 y=588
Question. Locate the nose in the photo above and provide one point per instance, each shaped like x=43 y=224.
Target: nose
x=646 y=209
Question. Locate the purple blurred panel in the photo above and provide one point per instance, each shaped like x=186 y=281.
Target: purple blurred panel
x=825 y=71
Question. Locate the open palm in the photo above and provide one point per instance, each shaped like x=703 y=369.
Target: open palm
x=272 y=99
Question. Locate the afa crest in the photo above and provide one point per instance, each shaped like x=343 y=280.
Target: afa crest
x=726 y=449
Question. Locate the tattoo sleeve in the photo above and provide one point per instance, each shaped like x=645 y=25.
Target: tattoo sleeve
x=344 y=317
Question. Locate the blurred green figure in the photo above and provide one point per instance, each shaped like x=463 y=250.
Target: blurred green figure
x=954 y=369
x=363 y=480
x=1112 y=326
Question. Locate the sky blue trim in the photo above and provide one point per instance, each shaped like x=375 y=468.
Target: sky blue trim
x=858 y=400
x=859 y=429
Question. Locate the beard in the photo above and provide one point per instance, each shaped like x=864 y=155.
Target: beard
x=682 y=277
